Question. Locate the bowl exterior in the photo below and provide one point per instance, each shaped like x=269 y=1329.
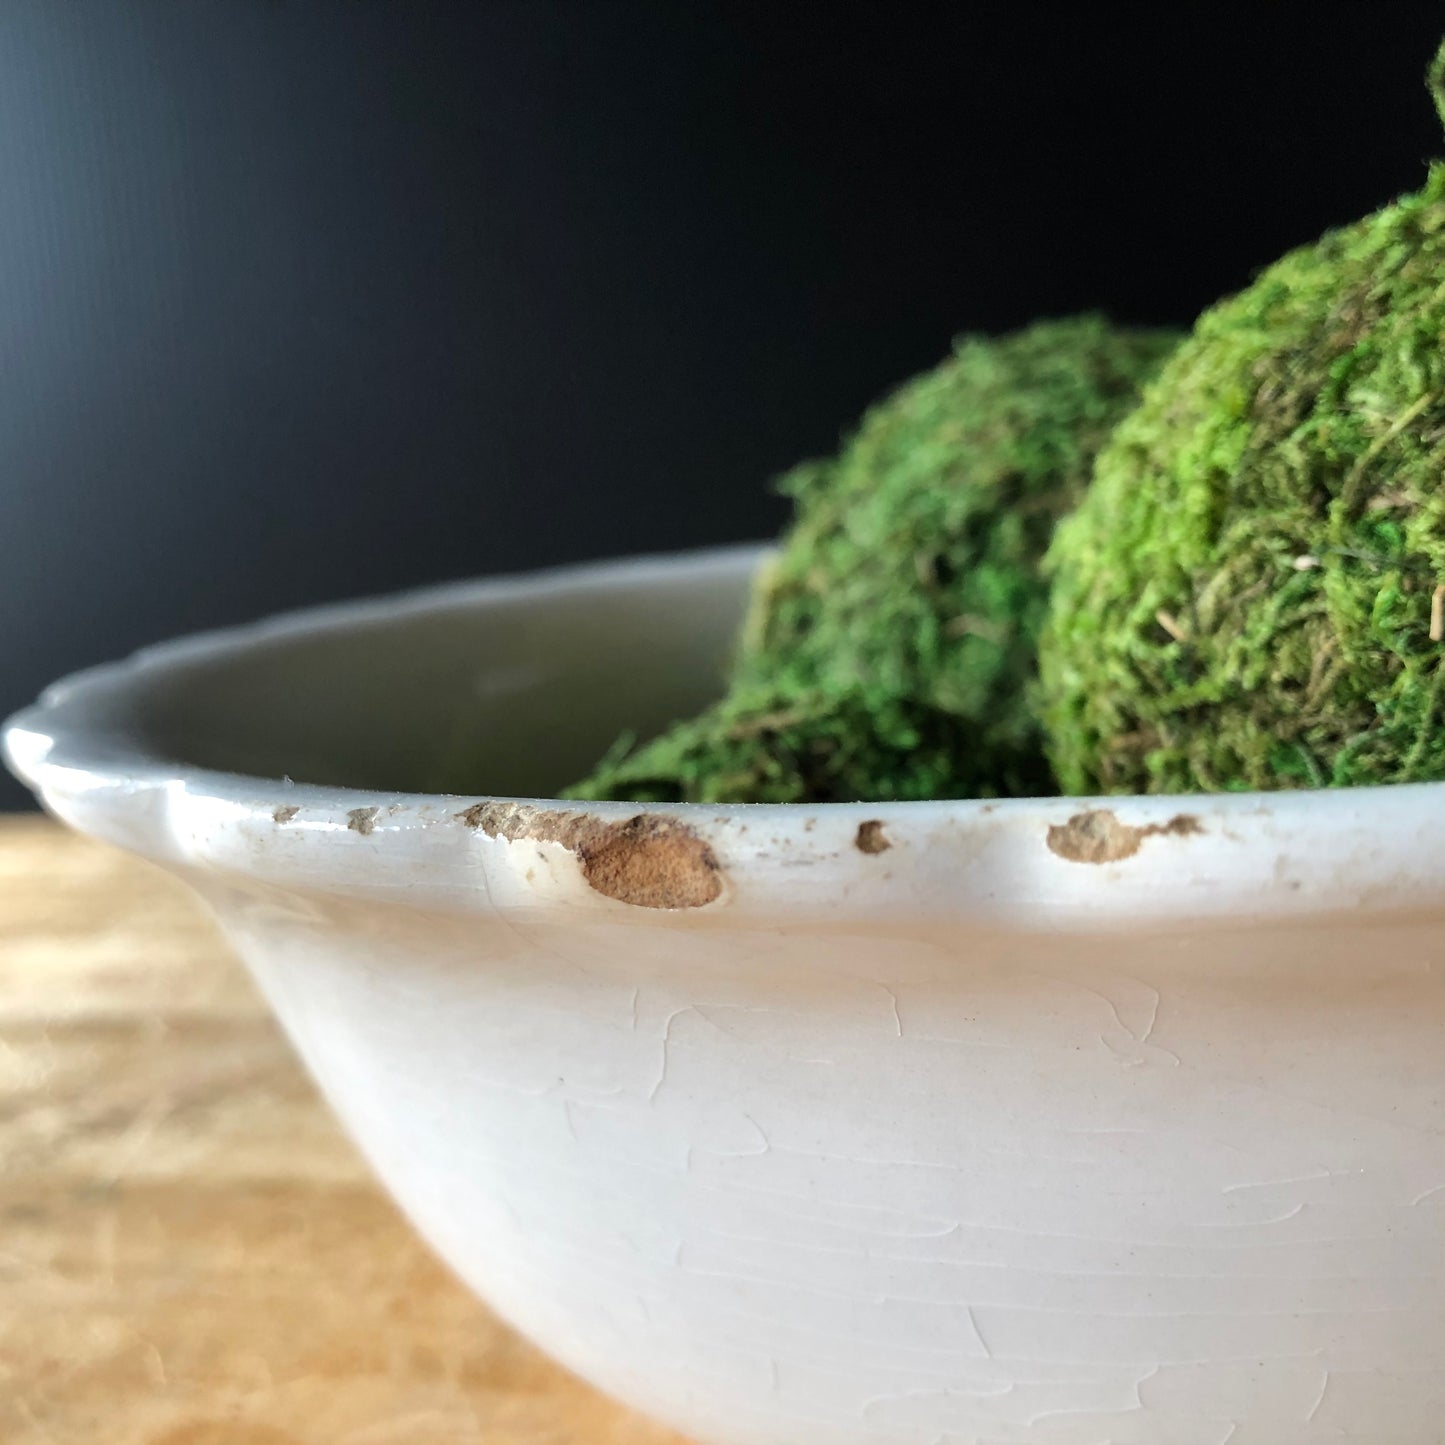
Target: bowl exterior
x=913 y=1184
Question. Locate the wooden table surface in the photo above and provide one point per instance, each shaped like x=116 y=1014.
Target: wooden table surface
x=190 y=1252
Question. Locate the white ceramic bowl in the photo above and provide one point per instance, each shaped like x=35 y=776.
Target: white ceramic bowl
x=1042 y=1122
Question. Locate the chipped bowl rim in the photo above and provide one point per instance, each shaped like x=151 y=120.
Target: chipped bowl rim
x=1027 y=863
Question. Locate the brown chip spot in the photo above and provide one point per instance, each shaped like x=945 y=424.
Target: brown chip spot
x=362 y=820
x=651 y=861
x=1099 y=837
x=285 y=813
x=871 y=837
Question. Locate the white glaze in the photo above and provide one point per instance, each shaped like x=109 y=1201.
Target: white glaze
x=958 y=1143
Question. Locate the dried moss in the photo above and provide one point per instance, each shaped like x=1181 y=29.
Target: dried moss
x=763 y=745
x=1244 y=600
x=890 y=646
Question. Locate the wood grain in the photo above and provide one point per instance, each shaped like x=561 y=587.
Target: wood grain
x=190 y=1252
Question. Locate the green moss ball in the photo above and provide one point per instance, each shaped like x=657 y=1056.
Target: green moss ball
x=890 y=645
x=1248 y=596
x=766 y=745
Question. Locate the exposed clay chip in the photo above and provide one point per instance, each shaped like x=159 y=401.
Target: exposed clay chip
x=362 y=820
x=285 y=813
x=1099 y=837
x=871 y=837
x=651 y=860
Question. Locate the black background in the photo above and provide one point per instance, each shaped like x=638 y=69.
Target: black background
x=305 y=300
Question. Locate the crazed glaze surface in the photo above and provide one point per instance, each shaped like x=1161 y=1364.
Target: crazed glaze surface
x=1041 y=1122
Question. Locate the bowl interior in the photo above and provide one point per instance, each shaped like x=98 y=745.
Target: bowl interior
x=511 y=687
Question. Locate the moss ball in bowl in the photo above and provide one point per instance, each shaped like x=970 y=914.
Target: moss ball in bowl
x=1250 y=596
x=890 y=645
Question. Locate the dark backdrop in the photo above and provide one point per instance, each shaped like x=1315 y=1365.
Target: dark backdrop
x=304 y=300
